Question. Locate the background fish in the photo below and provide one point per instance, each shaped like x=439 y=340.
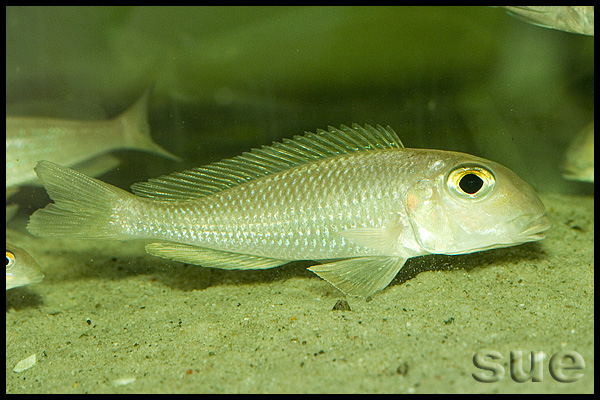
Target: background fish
x=575 y=19
x=579 y=158
x=72 y=142
x=353 y=194
x=21 y=268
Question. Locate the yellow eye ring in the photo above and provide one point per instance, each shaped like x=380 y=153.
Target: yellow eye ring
x=472 y=182
x=10 y=259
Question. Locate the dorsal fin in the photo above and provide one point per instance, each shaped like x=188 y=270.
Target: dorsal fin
x=267 y=160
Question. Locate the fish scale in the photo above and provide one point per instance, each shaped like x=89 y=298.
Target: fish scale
x=323 y=204
x=353 y=198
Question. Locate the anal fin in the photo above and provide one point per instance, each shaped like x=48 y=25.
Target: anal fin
x=211 y=258
x=360 y=276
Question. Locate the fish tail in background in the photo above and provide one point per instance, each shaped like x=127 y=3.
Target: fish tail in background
x=134 y=123
x=82 y=207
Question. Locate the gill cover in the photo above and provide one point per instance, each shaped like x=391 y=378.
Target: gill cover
x=428 y=217
x=445 y=214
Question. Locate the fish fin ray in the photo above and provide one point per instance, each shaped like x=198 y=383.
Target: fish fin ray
x=384 y=239
x=82 y=206
x=221 y=175
x=360 y=276
x=211 y=258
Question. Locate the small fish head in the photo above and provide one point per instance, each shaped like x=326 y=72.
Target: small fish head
x=21 y=268
x=474 y=204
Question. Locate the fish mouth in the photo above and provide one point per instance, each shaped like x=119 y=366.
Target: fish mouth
x=536 y=229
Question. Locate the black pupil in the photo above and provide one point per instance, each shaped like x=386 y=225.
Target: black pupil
x=470 y=183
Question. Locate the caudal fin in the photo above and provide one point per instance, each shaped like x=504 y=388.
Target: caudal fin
x=134 y=122
x=83 y=207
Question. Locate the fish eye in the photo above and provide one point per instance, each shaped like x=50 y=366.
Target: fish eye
x=471 y=181
x=10 y=259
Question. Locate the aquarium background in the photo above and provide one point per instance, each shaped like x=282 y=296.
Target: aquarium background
x=470 y=79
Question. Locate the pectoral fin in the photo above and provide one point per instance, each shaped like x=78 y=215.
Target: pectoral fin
x=361 y=276
x=384 y=239
x=211 y=258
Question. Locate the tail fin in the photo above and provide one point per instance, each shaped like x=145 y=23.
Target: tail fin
x=83 y=207
x=134 y=122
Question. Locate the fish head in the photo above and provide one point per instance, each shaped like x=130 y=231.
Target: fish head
x=21 y=268
x=470 y=204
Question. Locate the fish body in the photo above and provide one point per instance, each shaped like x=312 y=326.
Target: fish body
x=352 y=198
x=21 y=268
x=73 y=142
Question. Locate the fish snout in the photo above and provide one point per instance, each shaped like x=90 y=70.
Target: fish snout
x=533 y=227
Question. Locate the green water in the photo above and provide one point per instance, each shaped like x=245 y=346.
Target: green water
x=228 y=79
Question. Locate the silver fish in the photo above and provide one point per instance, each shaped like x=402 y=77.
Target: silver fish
x=21 y=268
x=72 y=142
x=353 y=198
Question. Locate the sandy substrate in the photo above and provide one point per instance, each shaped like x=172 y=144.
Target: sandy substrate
x=110 y=318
